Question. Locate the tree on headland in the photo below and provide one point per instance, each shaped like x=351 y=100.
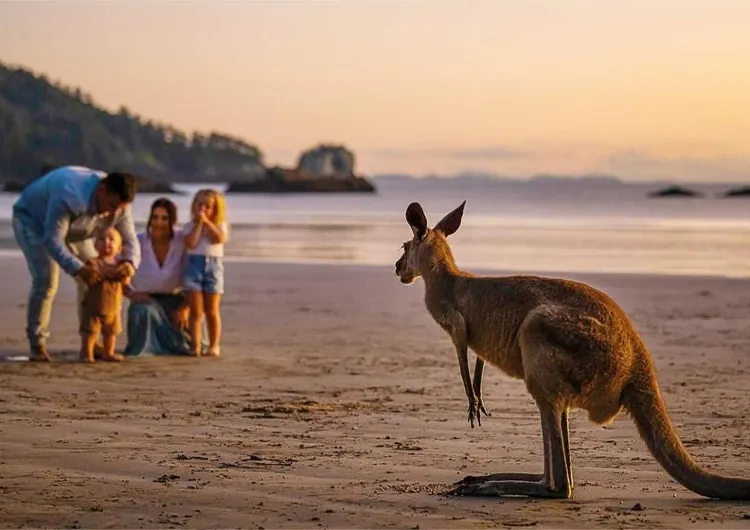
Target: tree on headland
x=43 y=123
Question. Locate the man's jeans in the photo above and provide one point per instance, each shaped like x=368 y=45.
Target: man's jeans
x=45 y=278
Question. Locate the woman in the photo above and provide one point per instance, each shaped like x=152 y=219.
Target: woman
x=158 y=314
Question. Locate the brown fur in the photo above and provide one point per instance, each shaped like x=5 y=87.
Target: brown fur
x=573 y=346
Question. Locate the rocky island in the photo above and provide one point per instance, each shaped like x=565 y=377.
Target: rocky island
x=741 y=191
x=675 y=191
x=325 y=168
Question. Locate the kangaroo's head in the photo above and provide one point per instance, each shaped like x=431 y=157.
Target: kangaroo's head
x=428 y=245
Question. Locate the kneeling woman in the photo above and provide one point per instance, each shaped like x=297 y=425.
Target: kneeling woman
x=158 y=313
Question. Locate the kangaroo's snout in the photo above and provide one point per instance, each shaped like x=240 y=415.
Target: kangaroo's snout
x=400 y=264
x=402 y=270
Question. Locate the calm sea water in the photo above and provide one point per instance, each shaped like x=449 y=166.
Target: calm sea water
x=552 y=230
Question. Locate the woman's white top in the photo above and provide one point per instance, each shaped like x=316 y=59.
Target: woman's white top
x=204 y=246
x=150 y=277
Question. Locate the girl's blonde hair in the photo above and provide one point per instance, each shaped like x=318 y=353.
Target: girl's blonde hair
x=220 y=207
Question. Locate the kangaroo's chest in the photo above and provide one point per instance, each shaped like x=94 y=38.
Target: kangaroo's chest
x=491 y=335
x=498 y=347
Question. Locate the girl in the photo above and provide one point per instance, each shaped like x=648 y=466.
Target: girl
x=203 y=280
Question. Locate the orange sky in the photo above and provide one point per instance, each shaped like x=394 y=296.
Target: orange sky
x=639 y=89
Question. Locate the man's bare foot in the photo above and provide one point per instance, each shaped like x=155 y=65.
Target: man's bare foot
x=112 y=357
x=39 y=354
x=213 y=352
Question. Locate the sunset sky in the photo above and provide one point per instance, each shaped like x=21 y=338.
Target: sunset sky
x=639 y=89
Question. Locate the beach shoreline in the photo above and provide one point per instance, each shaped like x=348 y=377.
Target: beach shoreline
x=338 y=403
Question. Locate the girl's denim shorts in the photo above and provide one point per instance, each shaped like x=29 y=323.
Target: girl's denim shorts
x=204 y=273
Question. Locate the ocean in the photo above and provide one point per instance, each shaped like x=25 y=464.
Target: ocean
x=577 y=228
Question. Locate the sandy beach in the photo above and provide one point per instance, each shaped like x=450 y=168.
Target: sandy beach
x=338 y=403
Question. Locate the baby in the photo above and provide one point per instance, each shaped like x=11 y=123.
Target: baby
x=103 y=301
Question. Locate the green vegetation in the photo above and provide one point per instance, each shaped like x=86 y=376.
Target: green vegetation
x=47 y=124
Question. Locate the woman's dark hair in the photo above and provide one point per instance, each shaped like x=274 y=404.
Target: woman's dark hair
x=170 y=207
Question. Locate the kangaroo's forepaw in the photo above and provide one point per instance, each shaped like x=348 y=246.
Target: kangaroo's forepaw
x=481 y=408
x=476 y=409
x=473 y=414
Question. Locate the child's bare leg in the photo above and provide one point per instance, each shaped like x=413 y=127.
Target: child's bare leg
x=211 y=303
x=88 y=340
x=195 y=299
x=109 y=347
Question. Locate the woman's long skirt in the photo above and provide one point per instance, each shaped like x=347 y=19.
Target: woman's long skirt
x=150 y=330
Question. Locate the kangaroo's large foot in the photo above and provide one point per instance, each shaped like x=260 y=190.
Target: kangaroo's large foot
x=511 y=488
x=524 y=477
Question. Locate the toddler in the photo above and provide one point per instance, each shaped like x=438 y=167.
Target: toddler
x=102 y=303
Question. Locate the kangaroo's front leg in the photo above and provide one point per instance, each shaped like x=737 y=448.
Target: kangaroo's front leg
x=457 y=330
x=478 y=370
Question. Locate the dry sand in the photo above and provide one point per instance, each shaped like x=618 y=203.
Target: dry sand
x=338 y=403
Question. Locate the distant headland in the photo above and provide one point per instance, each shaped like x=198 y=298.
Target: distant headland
x=46 y=125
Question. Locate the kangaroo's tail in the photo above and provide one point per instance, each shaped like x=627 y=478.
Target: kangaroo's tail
x=643 y=401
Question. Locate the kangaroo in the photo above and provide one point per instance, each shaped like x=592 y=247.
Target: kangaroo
x=573 y=346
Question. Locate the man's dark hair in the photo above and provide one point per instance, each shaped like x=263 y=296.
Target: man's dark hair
x=46 y=168
x=121 y=185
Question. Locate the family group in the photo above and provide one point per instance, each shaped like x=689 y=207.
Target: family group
x=80 y=220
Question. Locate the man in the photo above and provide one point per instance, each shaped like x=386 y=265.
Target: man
x=54 y=221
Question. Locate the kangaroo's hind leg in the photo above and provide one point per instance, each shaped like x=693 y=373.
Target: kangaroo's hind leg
x=554 y=483
x=530 y=477
x=566 y=435
x=552 y=394
x=525 y=477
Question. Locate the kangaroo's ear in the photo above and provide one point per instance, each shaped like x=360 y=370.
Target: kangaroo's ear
x=450 y=223
x=417 y=220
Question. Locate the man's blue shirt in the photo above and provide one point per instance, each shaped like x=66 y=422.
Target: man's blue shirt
x=61 y=207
